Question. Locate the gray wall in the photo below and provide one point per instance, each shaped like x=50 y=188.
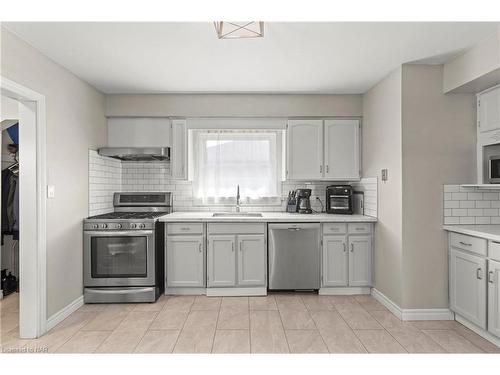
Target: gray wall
x=235 y=105
x=75 y=123
x=382 y=149
x=439 y=140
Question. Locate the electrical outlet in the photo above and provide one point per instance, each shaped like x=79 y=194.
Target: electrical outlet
x=384 y=175
x=51 y=191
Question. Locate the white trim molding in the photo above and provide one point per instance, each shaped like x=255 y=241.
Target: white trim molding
x=33 y=243
x=481 y=332
x=412 y=314
x=62 y=314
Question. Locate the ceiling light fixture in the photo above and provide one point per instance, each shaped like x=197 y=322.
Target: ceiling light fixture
x=239 y=30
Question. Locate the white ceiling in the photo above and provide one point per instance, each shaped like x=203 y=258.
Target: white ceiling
x=291 y=58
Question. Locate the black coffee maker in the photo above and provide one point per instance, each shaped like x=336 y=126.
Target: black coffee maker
x=303 y=201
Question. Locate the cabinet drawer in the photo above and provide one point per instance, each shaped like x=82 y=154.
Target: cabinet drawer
x=364 y=228
x=185 y=228
x=494 y=250
x=334 y=228
x=469 y=243
x=236 y=228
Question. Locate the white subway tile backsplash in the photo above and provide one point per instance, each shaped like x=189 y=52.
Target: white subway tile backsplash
x=467 y=205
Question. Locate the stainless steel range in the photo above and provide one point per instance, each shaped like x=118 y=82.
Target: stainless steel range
x=123 y=251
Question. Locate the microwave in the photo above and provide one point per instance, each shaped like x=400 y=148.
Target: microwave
x=494 y=170
x=339 y=199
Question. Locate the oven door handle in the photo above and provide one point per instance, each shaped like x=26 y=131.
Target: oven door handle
x=120 y=291
x=111 y=233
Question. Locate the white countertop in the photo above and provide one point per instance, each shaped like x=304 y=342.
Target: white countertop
x=268 y=217
x=490 y=232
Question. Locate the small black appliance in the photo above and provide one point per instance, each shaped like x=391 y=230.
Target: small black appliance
x=339 y=199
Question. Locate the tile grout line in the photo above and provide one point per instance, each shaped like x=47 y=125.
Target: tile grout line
x=357 y=337
x=145 y=331
x=283 y=327
x=314 y=322
x=183 y=324
x=216 y=324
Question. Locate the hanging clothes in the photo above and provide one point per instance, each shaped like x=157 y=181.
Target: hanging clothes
x=10 y=204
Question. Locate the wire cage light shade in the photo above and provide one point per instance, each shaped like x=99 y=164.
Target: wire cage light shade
x=239 y=30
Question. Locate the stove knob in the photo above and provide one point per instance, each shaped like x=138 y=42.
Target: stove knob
x=104 y=226
x=95 y=226
x=133 y=225
x=142 y=226
x=118 y=226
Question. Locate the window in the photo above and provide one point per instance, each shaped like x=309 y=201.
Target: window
x=227 y=158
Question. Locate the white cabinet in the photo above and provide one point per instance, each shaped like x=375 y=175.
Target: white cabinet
x=360 y=260
x=185 y=261
x=494 y=297
x=179 y=151
x=323 y=150
x=251 y=260
x=305 y=149
x=335 y=261
x=139 y=132
x=342 y=150
x=468 y=286
x=237 y=255
x=488 y=110
x=221 y=261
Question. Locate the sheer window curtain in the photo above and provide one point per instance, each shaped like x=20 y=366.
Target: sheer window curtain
x=227 y=158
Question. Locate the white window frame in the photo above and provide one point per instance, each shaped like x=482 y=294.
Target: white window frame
x=193 y=138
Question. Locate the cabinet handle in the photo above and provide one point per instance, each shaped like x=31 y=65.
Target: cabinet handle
x=241 y=246
x=478 y=271
x=199 y=247
x=490 y=277
x=465 y=243
x=320 y=169
x=232 y=246
x=352 y=248
x=344 y=247
x=327 y=169
x=185 y=228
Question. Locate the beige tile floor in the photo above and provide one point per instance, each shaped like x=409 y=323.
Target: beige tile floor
x=278 y=323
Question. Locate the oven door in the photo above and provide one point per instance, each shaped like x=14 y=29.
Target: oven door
x=119 y=258
x=494 y=170
x=339 y=203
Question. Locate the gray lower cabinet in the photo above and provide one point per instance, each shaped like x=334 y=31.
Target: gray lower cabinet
x=335 y=261
x=468 y=286
x=494 y=297
x=360 y=260
x=185 y=261
x=221 y=260
x=237 y=255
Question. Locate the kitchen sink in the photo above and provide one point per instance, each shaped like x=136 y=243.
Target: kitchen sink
x=237 y=214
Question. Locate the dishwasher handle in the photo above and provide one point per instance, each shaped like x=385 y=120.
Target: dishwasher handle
x=293 y=226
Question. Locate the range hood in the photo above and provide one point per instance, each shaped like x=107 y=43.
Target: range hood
x=136 y=153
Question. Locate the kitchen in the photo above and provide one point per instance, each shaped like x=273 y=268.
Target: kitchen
x=261 y=214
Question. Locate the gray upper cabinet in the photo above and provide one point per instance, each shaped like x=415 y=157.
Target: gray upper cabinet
x=468 y=286
x=335 y=261
x=488 y=108
x=323 y=150
x=360 y=260
x=342 y=151
x=494 y=297
x=305 y=149
x=179 y=151
x=251 y=260
x=185 y=261
x=139 y=132
x=221 y=261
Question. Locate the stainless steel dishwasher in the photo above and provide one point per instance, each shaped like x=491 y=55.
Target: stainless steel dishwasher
x=294 y=256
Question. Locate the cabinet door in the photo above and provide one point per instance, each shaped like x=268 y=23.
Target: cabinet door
x=178 y=153
x=185 y=261
x=139 y=132
x=494 y=297
x=221 y=261
x=305 y=149
x=489 y=110
x=342 y=150
x=360 y=260
x=335 y=261
x=468 y=286
x=251 y=260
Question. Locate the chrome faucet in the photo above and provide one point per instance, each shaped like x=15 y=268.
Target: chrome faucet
x=238 y=198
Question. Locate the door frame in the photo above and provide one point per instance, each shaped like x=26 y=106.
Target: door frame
x=32 y=208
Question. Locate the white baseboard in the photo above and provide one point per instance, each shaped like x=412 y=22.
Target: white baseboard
x=62 y=314
x=481 y=332
x=236 y=292
x=185 y=291
x=412 y=314
x=343 y=291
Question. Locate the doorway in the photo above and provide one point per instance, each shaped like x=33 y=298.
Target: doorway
x=32 y=207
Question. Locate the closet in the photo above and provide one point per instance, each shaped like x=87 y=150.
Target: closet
x=9 y=258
